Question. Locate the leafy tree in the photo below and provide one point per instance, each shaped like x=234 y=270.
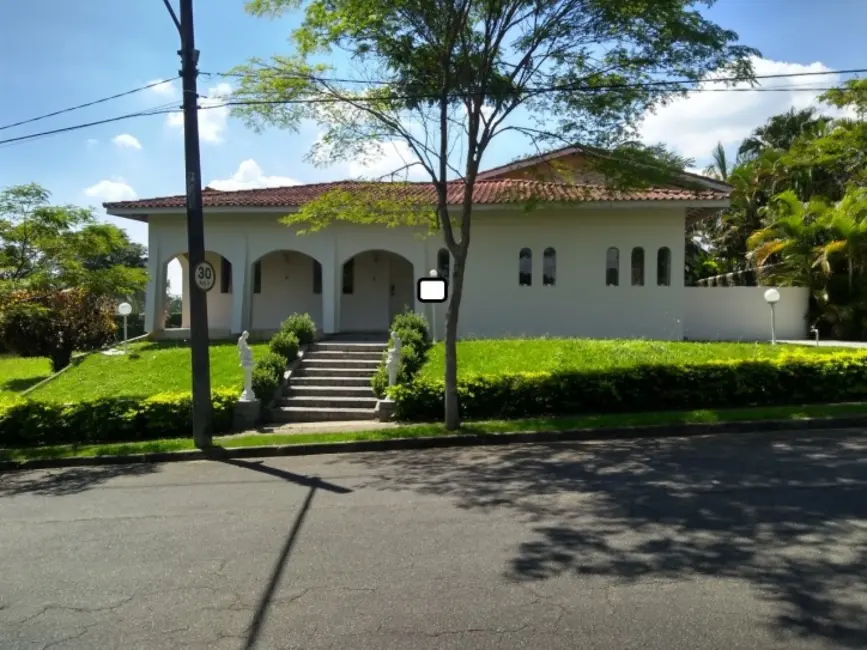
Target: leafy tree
x=719 y=168
x=780 y=131
x=445 y=77
x=55 y=323
x=43 y=245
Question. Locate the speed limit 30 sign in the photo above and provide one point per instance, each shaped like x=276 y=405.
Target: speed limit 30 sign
x=204 y=276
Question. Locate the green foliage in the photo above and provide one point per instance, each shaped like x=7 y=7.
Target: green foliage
x=46 y=246
x=302 y=326
x=54 y=324
x=109 y=419
x=267 y=375
x=285 y=344
x=789 y=379
x=412 y=329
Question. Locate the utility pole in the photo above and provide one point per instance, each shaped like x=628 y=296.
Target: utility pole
x=202 y=413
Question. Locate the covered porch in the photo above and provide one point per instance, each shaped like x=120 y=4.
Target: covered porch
x=360 y=294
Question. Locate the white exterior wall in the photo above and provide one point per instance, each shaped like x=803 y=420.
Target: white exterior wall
x=579 y=304
x=741 y=314
x=493 y=305
x=287 y=287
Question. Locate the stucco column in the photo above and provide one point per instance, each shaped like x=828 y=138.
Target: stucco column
x=330 y=293
x=156 y=291
x=242 y=275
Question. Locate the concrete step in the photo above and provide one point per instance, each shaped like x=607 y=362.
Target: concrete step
x=330 y=371
x=340 y=346
x=334 y=381
x=303 y=390
x=339 y=362
x=330 y=402
x=363 y=355
x=309 y=414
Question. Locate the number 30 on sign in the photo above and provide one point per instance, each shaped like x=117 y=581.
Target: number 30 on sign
x=204 y=276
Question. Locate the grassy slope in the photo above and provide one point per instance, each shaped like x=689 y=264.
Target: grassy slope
x=18 y=374
x=539 y=355
x=148 y=369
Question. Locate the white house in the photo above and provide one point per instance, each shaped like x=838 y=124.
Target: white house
x=585 y=262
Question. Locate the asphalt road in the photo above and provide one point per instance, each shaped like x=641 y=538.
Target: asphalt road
x=695 y=544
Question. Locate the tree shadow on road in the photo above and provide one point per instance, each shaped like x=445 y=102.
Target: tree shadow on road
x=787 y=514
x=70 y=480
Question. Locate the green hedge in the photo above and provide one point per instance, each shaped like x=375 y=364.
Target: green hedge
x=25 y=423
x=790 y=379
x=415 y=342
x=295 y=331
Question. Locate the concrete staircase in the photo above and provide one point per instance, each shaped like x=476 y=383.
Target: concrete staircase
x=332 y=383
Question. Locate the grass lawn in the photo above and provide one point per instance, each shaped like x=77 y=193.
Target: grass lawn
x=484 y=357
x=17 y=374
x=148 y=368
x=493 y=427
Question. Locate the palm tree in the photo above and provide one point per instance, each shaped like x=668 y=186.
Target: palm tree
x=780 y=131
x=719 y=168
x=791 y=245
x=847 y=226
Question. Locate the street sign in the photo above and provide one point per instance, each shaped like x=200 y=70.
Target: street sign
x=124 y=309
x=204 y=276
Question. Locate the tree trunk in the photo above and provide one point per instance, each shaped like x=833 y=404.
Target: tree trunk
x=60 y=359
x=452 y=405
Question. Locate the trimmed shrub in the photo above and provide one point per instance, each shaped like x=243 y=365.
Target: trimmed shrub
x=302 y=326
x=414 y=345
x=267 y=375
x=25 y=423
x=790 y=379
x=286 y=344
x=409 y=320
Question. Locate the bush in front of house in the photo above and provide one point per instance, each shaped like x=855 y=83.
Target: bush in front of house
x=412 y=329
x=789 y=379
x=286 y=344
x=28 y=423
x=267 y=374
x=302 y=326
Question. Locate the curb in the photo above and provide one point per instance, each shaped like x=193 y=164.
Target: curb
x=442 y=442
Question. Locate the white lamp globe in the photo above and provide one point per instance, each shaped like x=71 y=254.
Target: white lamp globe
x=433 y=273
x=772 y=296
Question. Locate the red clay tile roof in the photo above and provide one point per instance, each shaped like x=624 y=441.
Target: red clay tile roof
x=490 y=192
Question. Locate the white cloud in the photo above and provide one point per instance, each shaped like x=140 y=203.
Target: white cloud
x=112 y=190
x=164 y=88
x=126 y=141
x=213 y=116
x=394 y=157
x=695 y=124
x=250 y=176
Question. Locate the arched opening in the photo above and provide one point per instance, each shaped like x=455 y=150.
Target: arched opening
x=444 y=263
x=612 y=267
x=637 y=267
x=283 y=282
x=173 y=302
x=663 y=267
x=549 y=267
x=525 y=267
x=375 y=286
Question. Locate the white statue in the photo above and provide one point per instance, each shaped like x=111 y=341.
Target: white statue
x=245 y=353
x=392 y=361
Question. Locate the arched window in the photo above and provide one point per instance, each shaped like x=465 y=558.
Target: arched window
x=637 y=267
x=349 y=276
x=525 y=267
x=663 y=267
x=612 y=267
x=549 y=267
x=443 y=263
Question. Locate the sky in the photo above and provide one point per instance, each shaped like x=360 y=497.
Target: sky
x=58 y=54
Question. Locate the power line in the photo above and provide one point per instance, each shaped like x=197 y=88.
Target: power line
x=784 y=75
x=563 y=88
x=85 y=105
x=157 y=110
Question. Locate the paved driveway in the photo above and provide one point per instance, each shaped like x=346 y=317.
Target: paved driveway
x=748 y=542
